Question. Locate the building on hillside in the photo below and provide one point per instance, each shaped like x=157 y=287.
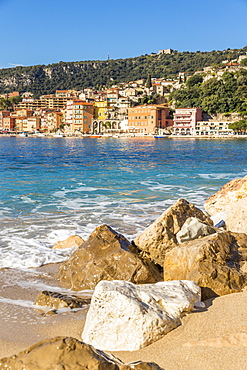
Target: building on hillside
x=55 y=102
x=130 y=92
x=149 y=119
x=31 y=103
x=45 y=101
x=66 y=94
x=185 y=120
x=79 y=115
x=23 y=112
x=158 y=89
x=213 y=128
x=14 y=93
x=140 y=82
x=112 y=96
x=166 y=51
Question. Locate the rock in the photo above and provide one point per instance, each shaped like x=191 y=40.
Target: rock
x=236 y=219
x=55 y=300
x=212 y=262
x=241 y=256
x=230 y=204
x=160 y=236
x=63 y=353
x=126 y=317
x=193 y=229
x=73 y=241
x=230 y=192
x=106 y=256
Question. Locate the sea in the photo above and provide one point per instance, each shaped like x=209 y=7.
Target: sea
x=52 y=188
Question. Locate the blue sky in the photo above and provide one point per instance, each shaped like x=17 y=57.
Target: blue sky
x=48 y=31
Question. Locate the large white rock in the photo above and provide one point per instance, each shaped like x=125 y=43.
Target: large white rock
x=192 y=229
x=126 y=317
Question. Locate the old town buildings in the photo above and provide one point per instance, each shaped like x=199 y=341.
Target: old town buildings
x=125 y=108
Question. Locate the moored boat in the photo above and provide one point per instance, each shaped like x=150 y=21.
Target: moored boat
x=161 y=136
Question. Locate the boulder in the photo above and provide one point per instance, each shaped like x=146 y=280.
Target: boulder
x=65 y=353
x=230 y=204
x=55 y=300
x=213 y=262
x=160 y=236
x=241 y=255
x=106 y=256
x=193 y=229
x=236 y=219
x=126 y=317
x=73 y=241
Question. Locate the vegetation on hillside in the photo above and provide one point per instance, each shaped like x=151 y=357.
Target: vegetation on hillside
x=239 y=126
x=225 y=95
x=42 y=79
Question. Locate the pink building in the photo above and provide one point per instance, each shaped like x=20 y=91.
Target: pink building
x=185 y=120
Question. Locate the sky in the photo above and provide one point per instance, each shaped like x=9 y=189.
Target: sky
x=49 y=31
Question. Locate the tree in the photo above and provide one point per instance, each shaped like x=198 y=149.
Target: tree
x=210 y=104
x=243 y=62
x=239 y=126
x=194 y=80
x=149 y=81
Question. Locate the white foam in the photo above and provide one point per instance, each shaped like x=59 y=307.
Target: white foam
x=217 y=176
x=17 y=302
x=26 y=253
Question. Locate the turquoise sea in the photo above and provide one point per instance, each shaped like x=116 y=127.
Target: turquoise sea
x=53 y=188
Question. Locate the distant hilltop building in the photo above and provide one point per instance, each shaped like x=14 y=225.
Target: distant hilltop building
x=167 y=51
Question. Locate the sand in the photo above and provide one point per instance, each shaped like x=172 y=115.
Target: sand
x=190 y=346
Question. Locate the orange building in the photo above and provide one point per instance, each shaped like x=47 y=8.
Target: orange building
x=149 y=119
x=14 y=93
x=79 y=115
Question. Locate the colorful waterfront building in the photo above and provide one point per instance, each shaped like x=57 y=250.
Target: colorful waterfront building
x=149 y=119
x=50 y=119
x=185 y=120
x=31 y=124
x=8 y=123
x=79 y=115
x=101 y=109
x=3 y=114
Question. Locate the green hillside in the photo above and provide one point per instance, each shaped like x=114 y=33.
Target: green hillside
x=45 y=79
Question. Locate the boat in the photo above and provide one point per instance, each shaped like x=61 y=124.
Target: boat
x=59 y=135
x=23 y=134
x=161 y=136
x=95 y=136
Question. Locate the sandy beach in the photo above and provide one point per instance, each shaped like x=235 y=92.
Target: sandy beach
x=22 y=326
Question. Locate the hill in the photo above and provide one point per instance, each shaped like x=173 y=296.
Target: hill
x=45 y=79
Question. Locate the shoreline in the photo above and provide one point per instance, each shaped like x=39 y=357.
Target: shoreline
x=180 y=349
x=127 y=136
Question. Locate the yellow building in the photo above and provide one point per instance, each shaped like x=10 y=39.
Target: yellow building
x=101 y=110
